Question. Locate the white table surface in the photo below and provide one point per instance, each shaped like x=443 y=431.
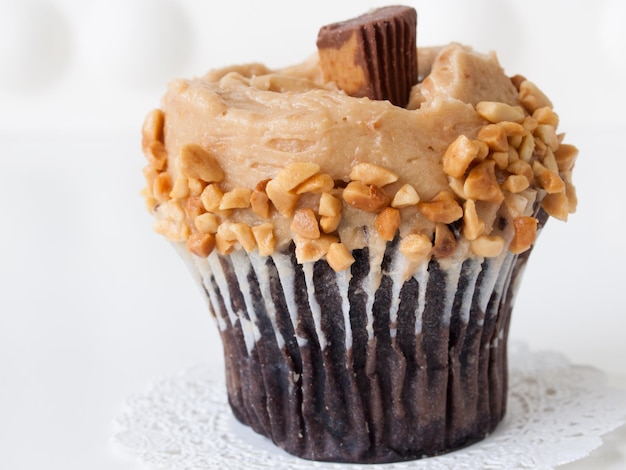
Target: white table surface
x=94 y=306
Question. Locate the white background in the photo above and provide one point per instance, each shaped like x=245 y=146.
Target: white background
x=94 y=306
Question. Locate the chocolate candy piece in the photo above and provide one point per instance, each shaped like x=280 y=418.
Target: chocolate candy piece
x=373 y=55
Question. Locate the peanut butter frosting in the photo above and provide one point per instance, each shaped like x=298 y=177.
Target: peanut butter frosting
x=255 y=159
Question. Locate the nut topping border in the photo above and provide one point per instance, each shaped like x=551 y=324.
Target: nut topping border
x=514 y=162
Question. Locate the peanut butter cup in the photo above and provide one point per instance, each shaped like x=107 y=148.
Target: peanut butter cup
x=373 y=55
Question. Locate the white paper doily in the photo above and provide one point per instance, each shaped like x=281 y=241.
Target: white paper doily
x=557 y=413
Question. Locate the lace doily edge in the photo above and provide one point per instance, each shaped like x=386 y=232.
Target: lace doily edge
x=578 y=448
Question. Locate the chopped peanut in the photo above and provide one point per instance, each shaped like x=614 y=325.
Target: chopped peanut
x=201 y=244
x=516 y=204
x=196 y=162
x=487 y=246
x=495 y=137
x=296 y=173
x=415 y=246
x=180 y=189
x=546 y=115
x=152 y=130
x=521 y=167
x=338 y=257
x=525 y=234
x=501 y=159
x=225 y=232
x=366 y=198
x=284 y=201
x=548 y=179
x=162 y=187
x=243 y=234
x=329 y=206
x=304 y=223
x=196 y=186
x=405 y=197
x=547 y=134
x=443 y=208
x=318 y=183
x=495 y=111
x=150 y=174
x=459 y=155
x=370 y=174
x=481 y=183
x=514 y=141
x=483 y=150
x=260 y=204
x=531 y=97
x=238 y=198
x=207 y=222
x=515 y=183
x=193 y=207
x=313 y=250
x=150 y=201
x=549 y=160
x=387 y=223
x=566 y=175
x=211 y=197
x=456 y=185
x=225 y=239
x=557 y=205
x=264 y=237
x=565 y=156
x=170 y=221
x=513 y=155
x=530 y=124
x=445 y=242
x=572 y=198
x=526 y=148
x=224 y=247
x=473 y=226
x=540 y=148
x=329 y=223
x=156 y=155
x=513 y=129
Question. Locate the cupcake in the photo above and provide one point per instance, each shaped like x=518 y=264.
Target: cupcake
x=359 y=224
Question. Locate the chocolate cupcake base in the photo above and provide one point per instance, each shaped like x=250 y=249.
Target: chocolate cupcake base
x=362 y=366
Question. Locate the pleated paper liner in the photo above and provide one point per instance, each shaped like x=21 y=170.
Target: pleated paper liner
x=362 y=365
